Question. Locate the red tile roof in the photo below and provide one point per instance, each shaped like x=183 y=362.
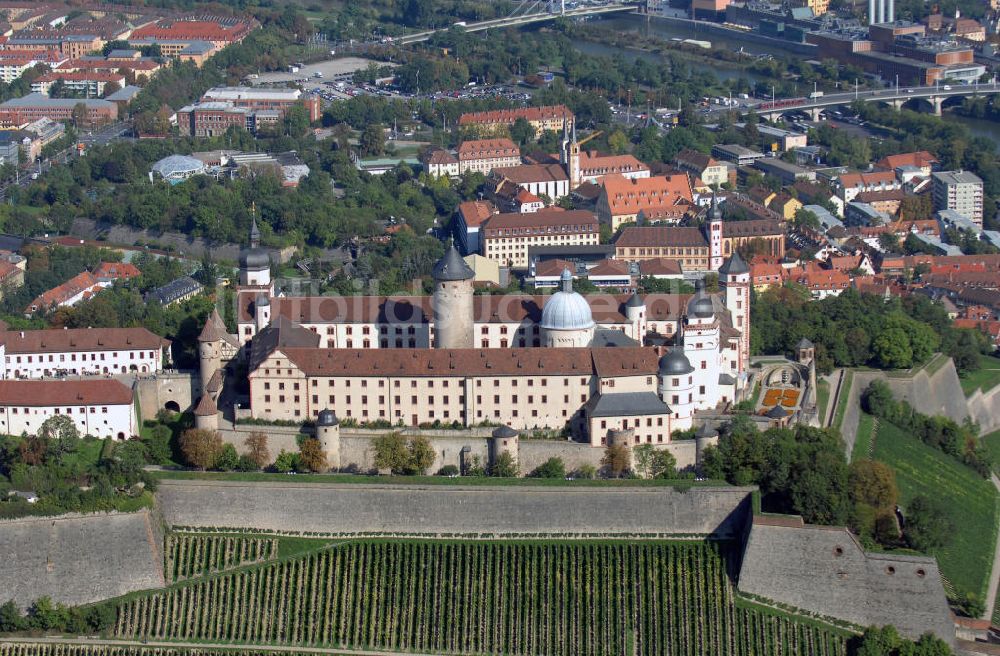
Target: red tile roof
x=594 y=164
x=660 y=236
x=194 y=30
x=920 y=159
x=116 y=271
x=475 y=212
x=625 y=196
x=509 y=116
x=48 y=393
x=82 y=282
x=487 y=149
x=551 y=216
x=81 y=339
x=527 y=173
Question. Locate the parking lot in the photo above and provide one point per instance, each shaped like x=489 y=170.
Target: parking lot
x=331 y=70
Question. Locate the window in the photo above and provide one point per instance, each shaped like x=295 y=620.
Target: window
x=701 y=389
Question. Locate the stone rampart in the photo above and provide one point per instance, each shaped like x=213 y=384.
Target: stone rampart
x=454 y=510
x=174 y=387
x=939 y=393
x=984 y=408
x=824 y=570
x=78 y=559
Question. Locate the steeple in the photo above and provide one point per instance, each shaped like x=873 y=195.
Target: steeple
x=566 y=281
x=254 y=231
x=716 y=214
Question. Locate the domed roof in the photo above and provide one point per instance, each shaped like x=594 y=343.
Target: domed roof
x=700 y=307
x=734 y=266
x=706 y=431
x=262 y=300
x=176 y=166
x=567 y=309
x=505 y=432
x=777 y=412
x=635 y=301
x=327 y=418
x=254 y=258
x=675 y=363
x=452 y=267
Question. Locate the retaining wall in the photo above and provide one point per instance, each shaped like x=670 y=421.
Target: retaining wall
x=984 y=408
x=441 y=510
x=78 y=559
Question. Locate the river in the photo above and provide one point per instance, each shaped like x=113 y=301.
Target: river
x=673 y=30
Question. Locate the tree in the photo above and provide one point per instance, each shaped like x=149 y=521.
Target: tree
x=505 y=466
x=257 y=451
x=664 y=464
x=228 y=459
x=616 y=459
x=372 y=140
x=79 y=114
x=60 y=431
x=110 y=88
x=927 y=525
x=643 y=456
x=551 y=468
x=46 y=615
x=200 y=447
x=312 y=456
x=421 y=455
x=891 y=349
x=873 y=483
x=391 y=452
x=287 y=461
x=11 y=618
x=618 y=142
x=521 y=132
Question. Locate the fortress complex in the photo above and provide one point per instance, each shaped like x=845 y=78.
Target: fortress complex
x=591 y=365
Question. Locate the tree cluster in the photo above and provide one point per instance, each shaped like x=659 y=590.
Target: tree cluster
x=401 y=455
x=46 y=615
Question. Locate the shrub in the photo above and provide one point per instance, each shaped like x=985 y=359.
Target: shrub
x=448 y=470
x=551 y=468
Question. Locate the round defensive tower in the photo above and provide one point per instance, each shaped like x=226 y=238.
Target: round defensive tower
x=504 y=440
x=328 y=434
x=453 y=320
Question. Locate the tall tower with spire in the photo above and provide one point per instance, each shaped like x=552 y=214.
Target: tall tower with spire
x=255 y=263
x=570 y=155
x=715 y=235
x=452 y=302
x=734 y=278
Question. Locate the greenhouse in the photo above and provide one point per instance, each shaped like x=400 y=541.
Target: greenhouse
x=177 y=168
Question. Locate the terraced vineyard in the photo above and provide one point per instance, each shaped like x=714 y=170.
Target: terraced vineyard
x=587 y=598
x=189 y=556
x=44 y=649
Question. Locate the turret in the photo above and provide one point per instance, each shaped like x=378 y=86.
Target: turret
x=504 y=440
x=255 y=263
x=734 y=277
x=676 y=387
x=453 y=320
x=210 y=347
x=206 y=414
x=328 y=434
x=567 y=320
x=701 y=347
x=262 y=312
x=635 y=312
x=705 y=437
x=715 y=235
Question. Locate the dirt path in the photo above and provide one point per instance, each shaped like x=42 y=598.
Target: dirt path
x=991 y=590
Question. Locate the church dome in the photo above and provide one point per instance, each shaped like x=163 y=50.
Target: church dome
x=327 y=418
x=675 y=363
x=567 y=309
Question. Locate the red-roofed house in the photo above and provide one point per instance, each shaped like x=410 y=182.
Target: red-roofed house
x=11 y=277
x=765 y=275
x=102 y=408
x=820 y=282
x=111 y=271
x=849 y=185
x=622 y=199
x=595 y=166
x=526 y=202
x=921 y=159
x=78 y=288
x=484 y=155
x=555 y=118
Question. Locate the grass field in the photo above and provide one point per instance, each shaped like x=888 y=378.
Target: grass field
x=866 y=433
x=970 y=500
x=486 y=481
x=528 y=598
x=985 y=379
x=822 y=398
x=87 y=453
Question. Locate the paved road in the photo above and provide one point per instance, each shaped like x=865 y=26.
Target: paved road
x=227 y=647
x=991 y=591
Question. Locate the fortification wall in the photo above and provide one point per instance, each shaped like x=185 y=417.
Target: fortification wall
x=356 y=452
x=984 y=408
x=939 y=393
x=823 y=569
x=78 y=559
x=440 y=510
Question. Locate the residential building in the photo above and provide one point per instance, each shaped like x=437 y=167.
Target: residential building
x=922 y=160
x=11 y=277
x=79 y=352
x=111 y=271
x=594 y=167
x=78 y=288
x=709 y=170
x=506 y=237
x=439 y=162
x=484 y=155
x=784 y=205
x=849 y=185
x=221 y=32
x=700 y=249
x=961 y=191
x=621 y=199
x=100 y=408
x=89 y=83
x=777 y=140
x=555 y=118
x=887 y=202
x=175 y=291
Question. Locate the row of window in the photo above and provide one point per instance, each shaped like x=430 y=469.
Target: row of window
x=83 y=357
x=58 y=411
